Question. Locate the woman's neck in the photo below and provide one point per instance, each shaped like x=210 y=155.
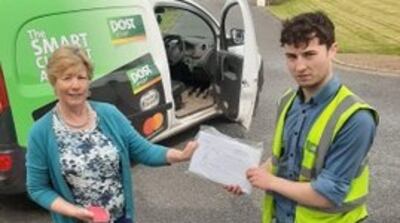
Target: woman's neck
x=76 y=117
x=71 y=111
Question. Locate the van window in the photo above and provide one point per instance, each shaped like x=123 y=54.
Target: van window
x=190 y=44
x=188 y=25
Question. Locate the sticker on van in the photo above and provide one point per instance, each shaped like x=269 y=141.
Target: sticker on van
x=149 y=100
x=126 y=29
x=144 y=74
x=43 y=44
x=39 y=37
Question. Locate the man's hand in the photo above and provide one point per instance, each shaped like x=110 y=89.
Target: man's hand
x=259 y=177
x=267 y=165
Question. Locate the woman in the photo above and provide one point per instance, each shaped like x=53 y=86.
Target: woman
x=80 y=153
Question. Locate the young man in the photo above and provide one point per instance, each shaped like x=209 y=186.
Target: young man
x=318 y=171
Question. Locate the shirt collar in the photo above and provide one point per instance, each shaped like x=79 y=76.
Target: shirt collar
x=324 y=93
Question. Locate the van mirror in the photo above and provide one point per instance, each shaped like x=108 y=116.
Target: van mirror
x=237 y=36
x=159 y=10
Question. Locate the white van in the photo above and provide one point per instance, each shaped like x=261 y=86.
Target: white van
x=166 y=64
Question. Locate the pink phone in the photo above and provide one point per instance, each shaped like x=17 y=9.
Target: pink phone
x=100 y=214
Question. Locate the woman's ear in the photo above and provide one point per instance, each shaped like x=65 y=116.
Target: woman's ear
x=88 y=93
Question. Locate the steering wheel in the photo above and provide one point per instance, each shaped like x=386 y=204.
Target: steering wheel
x=175 y=48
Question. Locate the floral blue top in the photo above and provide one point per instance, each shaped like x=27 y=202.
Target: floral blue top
x=90 y=164
x=44 y=179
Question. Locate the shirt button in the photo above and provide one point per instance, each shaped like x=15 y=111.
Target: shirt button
x=288 y=214
x=296 y=133
x=291 y=154
x=303 y=111
x=290 y=175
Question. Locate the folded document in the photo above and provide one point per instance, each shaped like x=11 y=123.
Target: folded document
x=224 y=159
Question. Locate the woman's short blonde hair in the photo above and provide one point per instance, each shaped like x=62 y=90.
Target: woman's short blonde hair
x=67 y=58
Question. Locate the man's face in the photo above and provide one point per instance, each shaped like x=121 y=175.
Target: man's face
x=310 y=65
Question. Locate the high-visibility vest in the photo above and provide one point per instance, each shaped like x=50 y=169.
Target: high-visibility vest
x=319 y=138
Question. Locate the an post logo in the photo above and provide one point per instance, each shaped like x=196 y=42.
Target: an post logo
x=143 y=75
x=125 y=29
x=122 y=25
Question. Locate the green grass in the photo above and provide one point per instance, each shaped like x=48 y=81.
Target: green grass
x=362 y=26
x=169 y=18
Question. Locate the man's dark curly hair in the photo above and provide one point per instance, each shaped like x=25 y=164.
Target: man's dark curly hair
x=302 y=28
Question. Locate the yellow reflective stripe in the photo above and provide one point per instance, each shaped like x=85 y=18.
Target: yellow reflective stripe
x=306 y=174
x=362 y=166
x=359 y=186
x=344 y=207
x=311 y=215
x=309 y=156
x=347 y=206
x=283 y=102
x=284 y=105
x=327 y=122
x=349 y=112
x=274 y=160
x=328 y=131
x=315 y=132
x=268 y=208
x=356 y=196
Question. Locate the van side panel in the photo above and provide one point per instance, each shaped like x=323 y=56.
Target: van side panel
x=122 y=40
x=115 y=40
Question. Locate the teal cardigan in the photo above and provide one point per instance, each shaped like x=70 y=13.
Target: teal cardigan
x=44 y=179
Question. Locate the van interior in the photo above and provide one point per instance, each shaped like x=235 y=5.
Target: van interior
x=191 y=50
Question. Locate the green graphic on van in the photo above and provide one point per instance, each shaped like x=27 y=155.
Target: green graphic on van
x=43 y=44
x=39 y=37
x=126 y=29
x=144 y=75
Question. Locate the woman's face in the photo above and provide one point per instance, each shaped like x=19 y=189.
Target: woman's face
x=72 y=86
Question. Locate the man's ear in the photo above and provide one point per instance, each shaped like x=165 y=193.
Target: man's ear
x=333 y=50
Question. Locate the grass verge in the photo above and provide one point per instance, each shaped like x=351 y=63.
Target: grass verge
x=362 y=26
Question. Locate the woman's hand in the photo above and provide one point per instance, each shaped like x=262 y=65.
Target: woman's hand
x=188 y=151
x=234 y=189
x=83 y=214
x=174 y=155
x=63 y=207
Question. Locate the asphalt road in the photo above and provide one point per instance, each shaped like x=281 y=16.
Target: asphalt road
x=171 y=195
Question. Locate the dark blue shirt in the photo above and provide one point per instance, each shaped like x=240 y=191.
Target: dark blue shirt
x=345 y=154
